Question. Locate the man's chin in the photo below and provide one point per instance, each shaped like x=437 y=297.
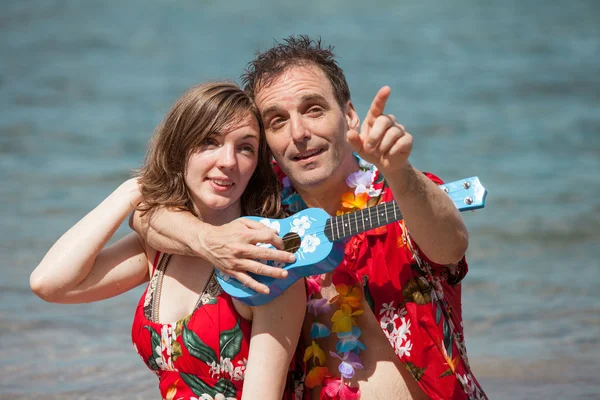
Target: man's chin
x=309 y=179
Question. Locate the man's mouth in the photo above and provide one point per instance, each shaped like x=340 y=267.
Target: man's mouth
x=307 y=154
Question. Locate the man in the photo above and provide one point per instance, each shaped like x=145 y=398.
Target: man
x=395 y=300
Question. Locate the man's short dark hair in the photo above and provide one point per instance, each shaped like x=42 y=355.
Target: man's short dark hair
x=292 y=52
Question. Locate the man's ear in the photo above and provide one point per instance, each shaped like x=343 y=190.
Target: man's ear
x=351 y=116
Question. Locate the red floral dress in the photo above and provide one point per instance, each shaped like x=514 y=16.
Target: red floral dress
x=202 y=356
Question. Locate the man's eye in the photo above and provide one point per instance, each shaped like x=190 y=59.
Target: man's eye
x=276 y=123
x=315 y=111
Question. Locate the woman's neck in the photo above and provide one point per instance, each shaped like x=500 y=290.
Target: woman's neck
x=219 y=217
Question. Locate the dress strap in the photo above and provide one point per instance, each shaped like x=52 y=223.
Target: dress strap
x=155 y=285
x=156 y=261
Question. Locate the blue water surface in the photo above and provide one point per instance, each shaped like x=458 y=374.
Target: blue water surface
x=505 y=90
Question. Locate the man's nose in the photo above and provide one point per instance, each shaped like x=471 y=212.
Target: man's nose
x=300 y=131
x=227 y=157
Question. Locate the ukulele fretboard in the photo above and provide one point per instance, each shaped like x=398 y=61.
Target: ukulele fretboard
x=348 y=225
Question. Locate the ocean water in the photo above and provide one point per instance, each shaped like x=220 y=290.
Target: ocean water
x=508 y=91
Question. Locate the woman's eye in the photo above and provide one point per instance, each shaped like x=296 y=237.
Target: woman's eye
x=248 y=148
x=210 y=142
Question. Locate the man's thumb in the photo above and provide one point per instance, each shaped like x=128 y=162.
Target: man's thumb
x=353 y=137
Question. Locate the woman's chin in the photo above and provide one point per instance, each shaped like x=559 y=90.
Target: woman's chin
x=219 y=209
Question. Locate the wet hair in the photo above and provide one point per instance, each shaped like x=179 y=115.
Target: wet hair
x=295 y=51
x=201 y=112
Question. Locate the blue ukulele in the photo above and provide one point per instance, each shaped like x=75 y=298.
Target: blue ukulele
x=318 y=238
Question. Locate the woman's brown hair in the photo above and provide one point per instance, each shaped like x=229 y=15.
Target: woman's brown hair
x=202 y=111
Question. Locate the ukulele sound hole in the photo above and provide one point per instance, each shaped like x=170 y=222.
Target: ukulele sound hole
x=291 y=242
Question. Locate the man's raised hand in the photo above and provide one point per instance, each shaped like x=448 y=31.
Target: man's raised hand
x=382 y=140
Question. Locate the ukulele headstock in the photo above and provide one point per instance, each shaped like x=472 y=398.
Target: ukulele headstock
x=467 y=194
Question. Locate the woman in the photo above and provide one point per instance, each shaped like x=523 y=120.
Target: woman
x=208 y=156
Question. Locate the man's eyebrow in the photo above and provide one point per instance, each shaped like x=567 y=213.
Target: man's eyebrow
x=312 y=97
x=269 y=110
x=304 y=98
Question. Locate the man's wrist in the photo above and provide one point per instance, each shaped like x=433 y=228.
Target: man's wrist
x=403 y=180
x=199 y=245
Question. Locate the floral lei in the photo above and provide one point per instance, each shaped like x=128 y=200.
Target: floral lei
x=348 y=298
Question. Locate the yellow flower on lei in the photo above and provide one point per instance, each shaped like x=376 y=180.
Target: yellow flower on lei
x=350 y=295
x=343 y=319
x=315 y=352
x=355 y=202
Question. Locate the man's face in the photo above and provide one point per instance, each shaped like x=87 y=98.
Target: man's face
x=305 y=126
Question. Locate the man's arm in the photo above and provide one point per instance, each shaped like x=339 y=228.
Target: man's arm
x=231 y=247
x=430 y=215
x=432 y=218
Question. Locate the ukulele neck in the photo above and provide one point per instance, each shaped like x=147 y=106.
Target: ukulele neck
x=347 y=225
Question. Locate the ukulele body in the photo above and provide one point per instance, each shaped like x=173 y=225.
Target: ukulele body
x=302 y=234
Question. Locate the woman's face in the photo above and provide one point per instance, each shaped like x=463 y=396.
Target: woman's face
x=217 y=173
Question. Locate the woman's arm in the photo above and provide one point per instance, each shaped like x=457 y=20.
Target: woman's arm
x=276 y=328
x=78 y=269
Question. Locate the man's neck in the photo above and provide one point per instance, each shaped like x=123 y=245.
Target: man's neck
x=328 y=195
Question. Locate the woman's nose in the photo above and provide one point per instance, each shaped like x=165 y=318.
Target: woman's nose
x=227 y=157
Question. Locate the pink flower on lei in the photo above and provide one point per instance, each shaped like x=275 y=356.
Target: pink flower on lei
x=334 y=388
x=313 y=285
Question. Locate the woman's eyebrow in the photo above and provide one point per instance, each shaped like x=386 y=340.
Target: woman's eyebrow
x=248 y=136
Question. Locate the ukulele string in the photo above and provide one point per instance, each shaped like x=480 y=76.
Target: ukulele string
x=353 y=218
x=356 y=217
